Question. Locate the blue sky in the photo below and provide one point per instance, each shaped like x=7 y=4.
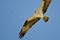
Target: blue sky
x=13 y=14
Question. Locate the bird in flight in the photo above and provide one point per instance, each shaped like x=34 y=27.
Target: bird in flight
x=38 y=14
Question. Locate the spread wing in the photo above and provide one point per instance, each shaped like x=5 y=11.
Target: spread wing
x=27 y=25
x=44 y=5
x=31 y=21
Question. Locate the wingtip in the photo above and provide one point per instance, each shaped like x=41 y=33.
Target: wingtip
x=20 y=36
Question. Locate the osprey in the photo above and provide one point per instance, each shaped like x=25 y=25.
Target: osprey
x=38 y=14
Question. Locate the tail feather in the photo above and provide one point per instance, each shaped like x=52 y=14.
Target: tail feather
x=45 y=18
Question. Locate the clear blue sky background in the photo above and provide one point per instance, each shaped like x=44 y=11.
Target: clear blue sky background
x=13 y=14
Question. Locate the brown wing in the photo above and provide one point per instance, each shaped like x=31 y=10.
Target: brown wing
x=44 y=5
x=27 y=25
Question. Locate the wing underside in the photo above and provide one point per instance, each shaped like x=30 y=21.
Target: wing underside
x=27 y=25
x=44 y=5
x=31 y=21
